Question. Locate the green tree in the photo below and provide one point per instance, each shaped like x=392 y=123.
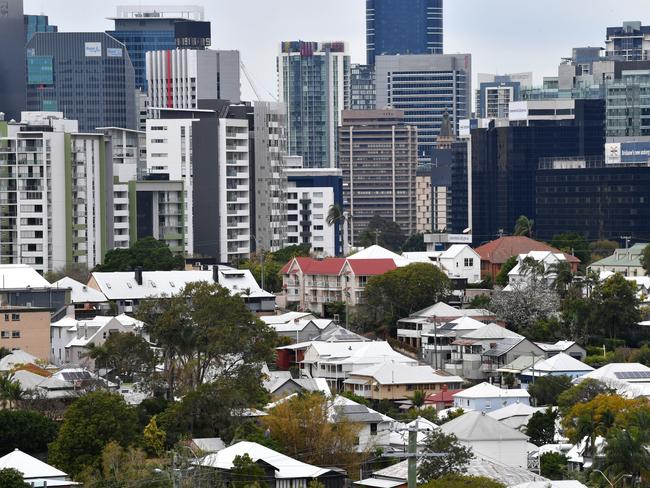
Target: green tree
x=12 y=478
x=246 y=473
x=602 y=248
x=149 y=253
x=89 y=424
x=418 y=398
x=563 y=277
x=546 y=389
x=462 y=481
x=286 y=254
x=272 y=276
x=524 y=226
x=154 y=437
x=627 y=452
x=398 y=293
x=553 y=465
x=28 y=431
x=615 y=306
x=502 y=276
x=583 y=392
x=336 y=216
x=645 y=260
x=414 y=243
x=384 y=232
x=126 y=354
x=10 y=391
x=541 y=427
x=456 y=456
x=76 y=271
x=573 y=243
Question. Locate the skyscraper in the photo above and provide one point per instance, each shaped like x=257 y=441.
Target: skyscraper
x=631 y=42
x=313 y=82
x=12 y=60
x=495 y=92
x=403 y=27
x=86 y=75
x=37 y=23
x=160 y=27
x=362 y=87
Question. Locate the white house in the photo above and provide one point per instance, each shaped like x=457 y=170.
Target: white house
x=549 y=260
x=631 y=380
x=35 y=472
x=571 y=348
x=559 y=365
x=515 y=415
x=375 y=427
x=459 y=261
x=485 y=397
x=490 y=438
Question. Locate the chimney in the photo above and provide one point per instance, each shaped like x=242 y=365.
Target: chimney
x=215 y=273
x=138 y=275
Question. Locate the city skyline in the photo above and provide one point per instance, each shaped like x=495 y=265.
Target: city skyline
x=520 y=38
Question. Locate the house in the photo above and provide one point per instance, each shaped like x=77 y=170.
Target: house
x=437 y=343
x=396 y=381
x=22 y=286
x=26 y=329
x=559 y=365
x=551 y=484
x=489 y=438
x=335 y=361
x=127 y=288
x=35 y=472
x=281 y=384
x=631 y=380
x=546 y=260
x=495 y=253
x=399 y=435
x=15 y=359
x=375 y=427
x=485 y=397
x=586 y=454
x=441 y=400
x=304 y=330
x=458 y=262
x=516 y=366
x=515 y=415
x=280 y=471
x=567 y=347
x=85 y=300
x=378 y=252
x=286 y=318
x=624 y=261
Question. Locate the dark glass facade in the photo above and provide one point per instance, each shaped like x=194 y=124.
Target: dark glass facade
x=457 y=219
x=403 y=27
x=86 y=75
x=597 y=200
x=37 y=23
x=12 y=60
x=362 y=87
x=505 y=160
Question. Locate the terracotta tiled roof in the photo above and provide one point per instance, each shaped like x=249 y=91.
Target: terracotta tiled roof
x=442 y=396
x=371 y=267
x=311 y=266
x=500 y=250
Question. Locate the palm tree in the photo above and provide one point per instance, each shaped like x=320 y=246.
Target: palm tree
x=336 y=216
x=10 y=390
x=418 y=398
x=524 y=226
x=563 y=276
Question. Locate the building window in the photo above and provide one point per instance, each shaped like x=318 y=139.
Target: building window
x=15 y=334
x=469 y=262
x=373 y=428
x=6 y=317
x=15 y=317
x=4 y=334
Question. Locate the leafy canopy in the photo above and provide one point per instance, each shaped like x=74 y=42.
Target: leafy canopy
x=26 y=430
x=455 y=459
x=149 y=253
x=383 y=232
x=546 y=389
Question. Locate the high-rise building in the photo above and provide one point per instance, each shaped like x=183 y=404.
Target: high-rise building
x=495 y=92
x=423 y=194
x=630 y=42
x=57 y=193
x=37 y=23
x=182 y=78
x=12 y=60
x=313 y=82
x=268 y=180
x=98 y=92
x=158 y=27
x=503 y=159
x=426 y=87
x=378 y=157
x=403 y=27
x=362 y=87
x=628 y=102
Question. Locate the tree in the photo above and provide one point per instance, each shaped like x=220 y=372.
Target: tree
x=336 y=216
x=149 y=253
x=400 y=292
x=563 y=277
x=546 y=389
x=272 y=276
x=462 y=481
x=154 y=437
x=414 y=243
x=553 y=465
x=204 y=329
x=615 y=306
x=541 y=427
x=10 y=390
x=418 y=398
x=525 y=303
x=456 y=456
x=76 y=271
x=626 y=450
x=383 y=232
x=645 y=260
x=286 y=254
x=126 y=354
x=88 y=426
x=573 y=243
x=502 y=276
x=12 y=478
x=601 y=249
x=246 y=473
x=28 y=431
x=304 y=429
x=524 y=226
x=583 y=392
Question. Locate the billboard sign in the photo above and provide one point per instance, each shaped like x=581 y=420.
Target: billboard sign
x=627 y=152
x=114 y=52
x=93 y=49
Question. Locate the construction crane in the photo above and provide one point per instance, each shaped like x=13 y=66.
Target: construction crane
x=252 y=83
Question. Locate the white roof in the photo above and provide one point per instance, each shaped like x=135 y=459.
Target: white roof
x=609 y=372
x=357 y=352
x=299 y=325
x=378 y=252
x=80 y=293
x=477 y=426
x=29 y=466
x=285 y=467
x=27 y=379
x=209 y=444
x=285 y=318
x=390 y=373
x=399 y=433
x=455 y=249
x=14 y=276
x=492 y=331
x=378 y=483
x=559 y=363
x=122 y=285
x=558 y=346
x=10 y=361
x=551 y=484
x=467 y=323
x=514 y=410
x=486 y=390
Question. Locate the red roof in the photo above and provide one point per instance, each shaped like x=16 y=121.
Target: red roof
x=444 y=396
x=312 y=266
x=500 y=250
x=371 y=267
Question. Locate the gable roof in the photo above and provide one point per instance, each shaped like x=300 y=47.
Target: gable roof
x=17 y=357
x=371 y=267
x=492 y=331
x=29 y=466
x=390 y=373
x=312 y=266
x=486 y=390
x=378 y=252
x=466 y=323
x=500 y=250
x=80 y=293
x=17 y=276
x=559 y=363
x=477 y=426
x=443 y=396
x=514 y=410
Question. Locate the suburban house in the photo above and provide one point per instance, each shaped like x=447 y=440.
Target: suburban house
x=485 y=397
x=559 y=365
x=396 y=381
x=127 y=288
x=630 y=380
x=495 y=253
x=437 y=343
x=547 y=260
x=567 y=347
x=35 y=472
x=302 y=330
x=375 y=427
x=22 y=286
x=459 y=262
x=503 y=352
x=490 y=438
x=335 y=361
x=280 y=471
x=624 y=261
x=85 y=300
x=441 y=400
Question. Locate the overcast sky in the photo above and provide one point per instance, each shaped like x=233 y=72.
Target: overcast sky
x=502 y=35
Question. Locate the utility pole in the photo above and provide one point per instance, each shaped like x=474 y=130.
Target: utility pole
x=412 y=459
x=627 y=240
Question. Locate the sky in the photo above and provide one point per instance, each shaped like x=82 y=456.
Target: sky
x=503 y=36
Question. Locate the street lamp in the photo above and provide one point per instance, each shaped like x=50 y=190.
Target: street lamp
x=616 y=480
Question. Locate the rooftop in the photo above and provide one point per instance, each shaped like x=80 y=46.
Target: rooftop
x=486 y=390
x=30 y=466
x=390 y=373
x=477 y=426
x=500 y=250
x=17 y=276
x=80 y=293
x=559 y=363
